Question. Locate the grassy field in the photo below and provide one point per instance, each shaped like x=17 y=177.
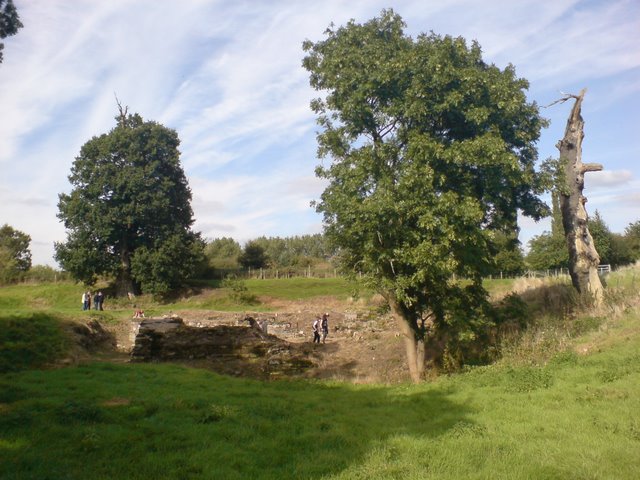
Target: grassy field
x=63 y=298
x=572 y=413
x=575 y=417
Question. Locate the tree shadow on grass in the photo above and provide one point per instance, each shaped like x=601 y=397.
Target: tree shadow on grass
x=173 y=422
x=344 y=425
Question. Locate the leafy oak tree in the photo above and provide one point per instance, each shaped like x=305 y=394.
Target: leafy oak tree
x=129 y=214
x=431 y=152
x=15 y=255
x=9 y=21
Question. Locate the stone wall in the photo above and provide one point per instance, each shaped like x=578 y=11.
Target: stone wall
x=231 y=349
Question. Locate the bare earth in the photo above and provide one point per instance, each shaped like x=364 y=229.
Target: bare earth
x=362 y=347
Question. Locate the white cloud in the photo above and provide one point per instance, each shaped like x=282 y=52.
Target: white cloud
x=227 y=76
x=609 y=178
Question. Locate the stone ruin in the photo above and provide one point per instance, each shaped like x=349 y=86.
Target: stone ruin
x=241 y=350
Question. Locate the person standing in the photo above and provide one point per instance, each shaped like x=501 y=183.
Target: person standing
x=100 y=300
x=316 y=330
x=88 y=300
x=325 y=326
x=84 y=300
x=96 y=301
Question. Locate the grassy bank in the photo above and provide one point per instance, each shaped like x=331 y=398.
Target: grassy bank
x=575 y=417
x=63 y=298
x=29 y=340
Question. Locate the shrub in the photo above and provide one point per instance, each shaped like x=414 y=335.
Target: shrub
x=239 y=291
x=44 y=273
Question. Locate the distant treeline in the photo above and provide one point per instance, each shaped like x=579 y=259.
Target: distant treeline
x=269 y=252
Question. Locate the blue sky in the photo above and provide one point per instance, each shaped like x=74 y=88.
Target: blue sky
x=228 y=77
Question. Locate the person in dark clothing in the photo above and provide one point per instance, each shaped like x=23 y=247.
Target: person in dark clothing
x=100 y=300
x=325 y=326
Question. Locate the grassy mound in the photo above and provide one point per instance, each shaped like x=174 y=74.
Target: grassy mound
x=30 y=340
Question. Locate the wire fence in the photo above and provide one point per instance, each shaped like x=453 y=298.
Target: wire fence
x=309 y=272
x=276 y=273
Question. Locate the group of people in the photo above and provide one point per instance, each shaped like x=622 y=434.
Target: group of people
x=98 y=299
x=320 y=327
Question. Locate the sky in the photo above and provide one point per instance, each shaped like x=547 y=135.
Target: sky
x=227 y=76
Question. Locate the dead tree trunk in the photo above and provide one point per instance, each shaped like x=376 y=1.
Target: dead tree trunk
x=583 y=257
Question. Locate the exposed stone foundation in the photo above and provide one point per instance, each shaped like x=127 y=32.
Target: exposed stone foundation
x=236 y=350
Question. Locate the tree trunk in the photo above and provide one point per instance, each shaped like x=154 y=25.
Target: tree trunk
x=124 y=282
x=583 y=257
x=413 y=342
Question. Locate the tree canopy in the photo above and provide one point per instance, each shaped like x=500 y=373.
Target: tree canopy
x=223 y=252
x=253 y=256
x=549 y=249
x=129 y=213
x=431 y=152
x=9 y=21
x=15 y=255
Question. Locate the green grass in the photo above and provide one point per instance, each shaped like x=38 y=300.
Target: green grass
x=30 y=340
x=64 y=297
x=575 y=417
x=564 y=410
x=302 y=288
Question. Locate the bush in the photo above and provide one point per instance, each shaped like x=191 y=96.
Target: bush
x=239 y=291
x=44 y=273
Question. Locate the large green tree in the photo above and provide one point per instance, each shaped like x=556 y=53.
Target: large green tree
x=253 y=256
x=549 y=249
x=9 y=21
x=223 y=253
x=432 y=151
x=508 y=258
x=15 y=255
x=602 y=237
x=632 y=236
x=129 y=214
